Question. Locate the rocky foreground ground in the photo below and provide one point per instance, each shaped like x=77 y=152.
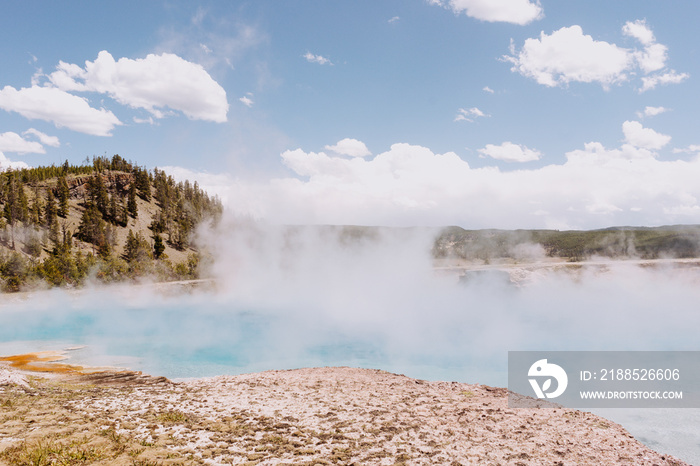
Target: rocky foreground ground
x=306 y=416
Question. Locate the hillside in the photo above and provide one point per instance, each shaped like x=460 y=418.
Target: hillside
x=672 y=242
x=109 y=220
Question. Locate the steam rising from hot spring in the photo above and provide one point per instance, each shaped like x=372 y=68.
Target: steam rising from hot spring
x=289 y=297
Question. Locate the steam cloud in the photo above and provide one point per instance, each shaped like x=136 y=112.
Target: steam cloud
x=292 y=297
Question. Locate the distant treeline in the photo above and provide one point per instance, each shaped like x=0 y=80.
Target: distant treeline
x=39 y=204
x=680 y=241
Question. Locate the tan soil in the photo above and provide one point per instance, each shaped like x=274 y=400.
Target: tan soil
x=305 y=416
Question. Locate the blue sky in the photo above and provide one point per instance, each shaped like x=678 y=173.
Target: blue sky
x=507 y=114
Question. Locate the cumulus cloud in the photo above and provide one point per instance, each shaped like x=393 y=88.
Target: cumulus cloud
x=469 y=114
x=510 y=152
x=321 y=60
x=154 y=83
x=13 y=142
x=351 y=147
x=488 y=89
x=7 y=164
x=645 y=138
x=410 y=185
x=640 y=31
x=568 y=55
x=510 y=11
x=44 y=138
x=654 y=55
x=393 y=19
x=60 y=108
x=652 y=111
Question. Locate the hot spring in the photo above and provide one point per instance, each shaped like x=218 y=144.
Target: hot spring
x=374 y=307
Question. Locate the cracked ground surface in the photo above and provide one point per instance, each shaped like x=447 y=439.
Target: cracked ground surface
x=304 y=416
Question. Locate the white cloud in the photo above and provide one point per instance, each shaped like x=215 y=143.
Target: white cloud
x=469 y=114
x=59 y=107
x=671 y=77
x=568 y=55
x=691 y=149
x=311 y=58
x=141 y=121
x=640 y=31
x=510 y=11
x=393 y=19
x=653 y=58
x=652 y=111
x=13 y=142
x=247 y=100
x=488 y=89
x=351 y=147
x=410 y=185
x=510 y=152
x=645 y=138
x=45 y=139
x=654 y=55
x=154 y=83
x=6 y=164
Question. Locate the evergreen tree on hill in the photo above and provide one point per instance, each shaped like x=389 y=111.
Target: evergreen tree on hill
x=98 y=194
x=143 y=183
x=110 y=187
x=50 y=215
x=158 y=246
x=63 y=195
x=131 y=205
x=92 y=229
x=15 y=209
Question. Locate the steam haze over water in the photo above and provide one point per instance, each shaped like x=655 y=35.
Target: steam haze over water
x=289 y=298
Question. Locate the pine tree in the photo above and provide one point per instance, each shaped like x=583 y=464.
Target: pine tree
x=143 y=183
x=113 y=211
x=36 y=209
x=63 y=195
x=92 y=229
x=158 y=246
x=98 y=194
x=50 y=209
x=123 y=214
x=131 y=246
x=11 y=211
x=23 y=203
x=136 y=248
x=67 y=242
x=131 y=205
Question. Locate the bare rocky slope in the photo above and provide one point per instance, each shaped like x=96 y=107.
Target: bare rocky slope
x=306 y=416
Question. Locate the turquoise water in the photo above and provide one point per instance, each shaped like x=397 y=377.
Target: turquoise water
x=435 y=330
x=193 y=337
